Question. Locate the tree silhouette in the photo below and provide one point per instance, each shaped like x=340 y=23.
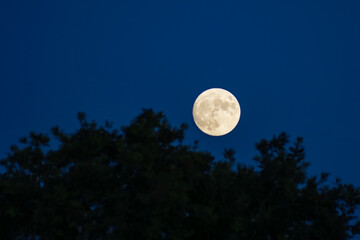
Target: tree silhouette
x=143 y=182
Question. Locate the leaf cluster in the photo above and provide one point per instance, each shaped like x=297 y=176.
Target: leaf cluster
x=143 y=182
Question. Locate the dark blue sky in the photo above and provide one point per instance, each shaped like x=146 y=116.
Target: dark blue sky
x=293 y=65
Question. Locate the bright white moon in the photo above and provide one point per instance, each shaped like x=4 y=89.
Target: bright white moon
x=216 y=112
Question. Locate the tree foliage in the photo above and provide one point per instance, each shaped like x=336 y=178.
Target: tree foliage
x=143 y=182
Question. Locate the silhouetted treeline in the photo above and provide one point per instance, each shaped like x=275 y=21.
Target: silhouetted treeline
x=142 y=182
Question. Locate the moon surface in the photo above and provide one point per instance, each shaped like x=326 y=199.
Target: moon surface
x=216 y=112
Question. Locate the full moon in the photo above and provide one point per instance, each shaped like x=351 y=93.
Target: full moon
x=216 y=112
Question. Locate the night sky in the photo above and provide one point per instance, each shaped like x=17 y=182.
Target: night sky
x=294 y=66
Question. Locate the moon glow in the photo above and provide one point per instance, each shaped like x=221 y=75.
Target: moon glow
x=216 y=112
